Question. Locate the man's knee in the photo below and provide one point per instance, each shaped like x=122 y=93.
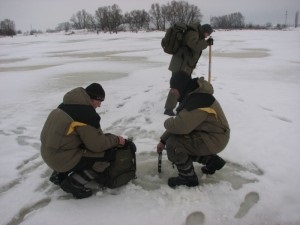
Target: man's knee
x=176 y=151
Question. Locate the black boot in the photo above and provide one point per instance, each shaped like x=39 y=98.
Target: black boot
x=100 y=177
x=190 y=181
x=169 y=112
x=186 y=176
x=70 y=185
x=57 y=178
x=212 y=163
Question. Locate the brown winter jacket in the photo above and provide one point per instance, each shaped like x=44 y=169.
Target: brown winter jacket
x=206 y=124
x=64 y=141
x=186 y=58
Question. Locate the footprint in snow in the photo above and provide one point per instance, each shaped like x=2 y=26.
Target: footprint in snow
x=19 y=130
x=195 y=218
x=250 y=200
x=120 y=105
x=265 y=108
x=284 y=119
x=127 y=98
x=2 y=132
x=26 y=210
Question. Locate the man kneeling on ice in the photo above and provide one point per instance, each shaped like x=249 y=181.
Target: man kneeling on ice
x=198 y=131
x=75 y=147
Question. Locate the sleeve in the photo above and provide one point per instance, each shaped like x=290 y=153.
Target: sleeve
x=164 y=137
x=194 y=42
x=95 y=140
x=185 y=122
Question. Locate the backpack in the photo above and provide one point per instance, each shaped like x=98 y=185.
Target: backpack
x=173 y=38
x=123 y=168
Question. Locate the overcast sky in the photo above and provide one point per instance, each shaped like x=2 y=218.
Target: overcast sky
x=44 y=14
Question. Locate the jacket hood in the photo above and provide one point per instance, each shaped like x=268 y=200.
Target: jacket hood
x=77 y=96
x=193 y=26
x=198 y=28
x=202 y=96
x=204 y=87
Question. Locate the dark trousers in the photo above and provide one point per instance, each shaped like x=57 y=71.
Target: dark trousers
x=85 y=163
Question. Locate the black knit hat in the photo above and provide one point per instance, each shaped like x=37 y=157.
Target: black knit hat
x=180 y=81
x=95 y=91
x=207 y=29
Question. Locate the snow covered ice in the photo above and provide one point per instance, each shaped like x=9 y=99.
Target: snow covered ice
x=256 y=77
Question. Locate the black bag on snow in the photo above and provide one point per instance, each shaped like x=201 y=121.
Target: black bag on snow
x=173 y=38
x=123 y=168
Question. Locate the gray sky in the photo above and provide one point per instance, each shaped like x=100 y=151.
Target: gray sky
x=44 y=14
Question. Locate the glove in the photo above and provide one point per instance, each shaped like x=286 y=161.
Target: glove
x=210 y=41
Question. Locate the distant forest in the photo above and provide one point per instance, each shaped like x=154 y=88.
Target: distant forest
x=159 y=17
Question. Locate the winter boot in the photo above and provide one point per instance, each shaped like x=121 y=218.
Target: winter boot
x=190 y=181
x=57 y=178
x=169 y=112
x=212 y=163
x=100 y=178
x=186 y=176
x=70 y=185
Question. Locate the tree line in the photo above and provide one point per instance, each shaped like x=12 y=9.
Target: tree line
x=7 y=28
x=111 y=19
x=159 y=17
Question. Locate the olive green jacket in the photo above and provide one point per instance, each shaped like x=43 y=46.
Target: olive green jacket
x=186 y=58
x=206 y=125
x=65 y=141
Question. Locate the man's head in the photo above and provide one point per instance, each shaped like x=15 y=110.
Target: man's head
x=95 y=91
x=207 y=29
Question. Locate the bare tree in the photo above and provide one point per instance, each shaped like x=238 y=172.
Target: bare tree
x=102 y=18
x=82 y=20
x=108 y=18
x=193 y=14
x=234 y=20
x=7 y=28
x=164 y=12
x=115 y=17
x=181 y=11
x=65 y=26
x=156 y=16
x=137 y=20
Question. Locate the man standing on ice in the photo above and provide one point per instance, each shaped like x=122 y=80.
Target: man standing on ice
x=197 y=133
x=72 y=140
x=187 y=56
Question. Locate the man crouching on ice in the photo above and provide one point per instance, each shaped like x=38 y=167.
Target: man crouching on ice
x=73 y=142
x=197 y=133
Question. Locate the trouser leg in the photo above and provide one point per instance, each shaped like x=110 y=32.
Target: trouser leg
x=85 y=169
x=171 y=101
x=212 y=163
x=179 y=156
x=186 y=175
x=83 y=172
x=78 y=177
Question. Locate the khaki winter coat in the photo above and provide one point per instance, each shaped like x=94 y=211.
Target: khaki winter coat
x=62 y=137
x=205 y=131
x=186 y=58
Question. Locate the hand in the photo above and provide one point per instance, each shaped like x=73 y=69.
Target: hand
x=210 y=41
x=121 y=140
x=160 y=147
